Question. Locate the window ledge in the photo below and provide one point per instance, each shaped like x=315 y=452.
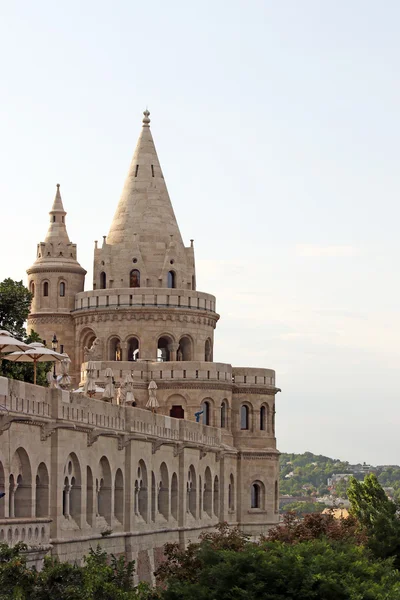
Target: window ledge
x=261 y=511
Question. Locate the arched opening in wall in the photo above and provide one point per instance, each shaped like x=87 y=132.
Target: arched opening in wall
x=208 y=350
x=244 y=417
x=163 y=348
x=72 y=489
x=223 y=420
x=134 y=279
x=115 y=352
x=153 y=497
x=11 y=492
x=89 y=496
x=133 y=349
x=22 y=482
x=216 y=496
x=231 y=493
x=207 y=501
x=177 y=411
x=32 y=288
x=171 y=279
x=42 y=491
x=103 y=280
x=105 y=490
x=257 y=495
x=191 y=492
x=205 y=407
x=45 y=288
x=185 y=351
x=142 y=490
x=276 y=497
x=62 y=288
x=193 y=282
x=263 y=414
x=119 y=496
x=163 y=492
x=2 y=490
x=174 y=496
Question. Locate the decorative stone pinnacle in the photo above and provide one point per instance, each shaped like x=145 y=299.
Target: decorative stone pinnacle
x=146 y=120
x=58 y=186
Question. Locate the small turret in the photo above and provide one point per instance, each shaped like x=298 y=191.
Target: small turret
x=54 y=279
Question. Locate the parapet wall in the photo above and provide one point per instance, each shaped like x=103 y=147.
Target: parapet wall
x=145 y=297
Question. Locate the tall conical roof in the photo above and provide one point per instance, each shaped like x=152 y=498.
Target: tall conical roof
x=57 y=231
x=144 y=207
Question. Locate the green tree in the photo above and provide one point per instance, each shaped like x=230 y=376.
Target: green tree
x=378 y=515
x=314 y=570
x=15 y=301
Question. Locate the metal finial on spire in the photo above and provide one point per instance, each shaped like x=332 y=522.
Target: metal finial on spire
x=58 y=186
x=146 y=120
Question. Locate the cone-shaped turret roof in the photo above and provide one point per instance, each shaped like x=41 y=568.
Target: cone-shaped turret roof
x=57 y=231
x=144 y=207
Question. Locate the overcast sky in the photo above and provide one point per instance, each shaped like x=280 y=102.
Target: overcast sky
x=277 y=127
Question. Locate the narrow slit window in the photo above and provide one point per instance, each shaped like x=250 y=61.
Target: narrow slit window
x=137 y=170
x=152 y=170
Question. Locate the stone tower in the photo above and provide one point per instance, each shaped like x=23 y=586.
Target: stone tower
x=54 y=279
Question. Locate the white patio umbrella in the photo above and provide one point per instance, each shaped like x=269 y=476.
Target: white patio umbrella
x=128 y=383
x=110 y=387
x=89 y=386
x=36 y=353
x=8 y=343
x=152 y=401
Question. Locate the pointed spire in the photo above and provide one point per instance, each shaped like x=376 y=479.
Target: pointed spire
x=57 y=231
x=57 y=204
x=144 y=206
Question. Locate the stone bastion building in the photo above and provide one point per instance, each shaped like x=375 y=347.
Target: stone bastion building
x=78 y=471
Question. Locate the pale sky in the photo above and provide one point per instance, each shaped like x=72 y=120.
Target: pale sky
x=277 y=127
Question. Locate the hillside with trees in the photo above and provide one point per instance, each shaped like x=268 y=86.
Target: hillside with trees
x=307 y=475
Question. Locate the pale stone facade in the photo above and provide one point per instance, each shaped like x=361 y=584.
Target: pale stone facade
x=81 y=470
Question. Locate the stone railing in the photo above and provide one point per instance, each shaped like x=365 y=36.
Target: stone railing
x=67 y=409
x=24 y=398
x=145 y=371
x=144 y=297
x=33 y=532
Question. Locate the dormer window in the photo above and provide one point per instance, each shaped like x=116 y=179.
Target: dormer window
x=134 y=279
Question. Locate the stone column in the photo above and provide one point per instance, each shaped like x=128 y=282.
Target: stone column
x=173 y=348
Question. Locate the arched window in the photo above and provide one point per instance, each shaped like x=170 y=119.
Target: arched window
x=206 y=412
x=163 y=492
x=46 y=288
x=134 y=279
x=89 y=496
x=163 y=351
x=216 y=496
x=263 y=413
x=223 y=414
x=208 y=351
x=32 y=289
x=141 y=497
x=115 y=349
x=103 y=280
x=174 y=496
x=207 y=503
x=133 y=348
x=42 y=491
x=244 y=417
x=62 y=288
x=171 y=279
x=119 y=496
x=185 y=348
x=255 y=495
x=231 y=493
x=191 y=500
x=105 y=490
